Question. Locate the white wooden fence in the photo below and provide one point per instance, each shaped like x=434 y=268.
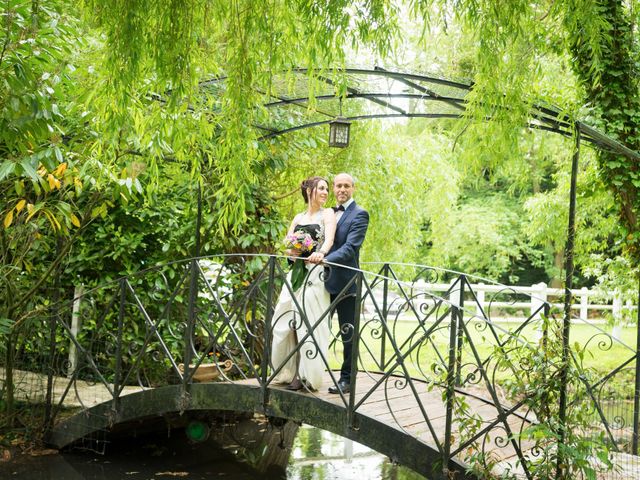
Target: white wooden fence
x=514 y=303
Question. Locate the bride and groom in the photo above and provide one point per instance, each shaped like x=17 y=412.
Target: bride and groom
x=304 y=323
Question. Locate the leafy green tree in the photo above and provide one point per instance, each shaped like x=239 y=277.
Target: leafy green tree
x=514 y=47
x=483 y=237
x=41 y=177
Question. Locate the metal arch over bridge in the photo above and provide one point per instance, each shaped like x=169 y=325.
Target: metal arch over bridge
x=431 y=366
x=393 y=94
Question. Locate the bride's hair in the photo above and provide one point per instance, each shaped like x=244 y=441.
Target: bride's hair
x=310 y=184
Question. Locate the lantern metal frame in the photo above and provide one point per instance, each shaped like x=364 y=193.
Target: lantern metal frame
x=339 y=132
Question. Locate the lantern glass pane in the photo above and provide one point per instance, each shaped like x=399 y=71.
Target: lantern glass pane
x=339 y=134
x=342 y=133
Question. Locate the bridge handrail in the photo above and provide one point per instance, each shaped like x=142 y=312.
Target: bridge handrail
x=452 y=344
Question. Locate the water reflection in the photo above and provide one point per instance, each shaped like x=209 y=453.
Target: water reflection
x=245 y=449
x=321 y=455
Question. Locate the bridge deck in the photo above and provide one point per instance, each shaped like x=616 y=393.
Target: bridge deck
x=31 y=387
x=398 y=408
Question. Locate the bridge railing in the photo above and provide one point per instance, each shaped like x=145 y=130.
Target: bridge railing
x=515 y=366
x=483 y=390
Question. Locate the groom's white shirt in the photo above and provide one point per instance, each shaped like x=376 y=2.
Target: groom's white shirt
x=345 y=205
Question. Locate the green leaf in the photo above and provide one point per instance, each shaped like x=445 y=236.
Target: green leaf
x=6 y=324
x=6 y=168
x=298 y=274
x=58 y=154
x=25 y=163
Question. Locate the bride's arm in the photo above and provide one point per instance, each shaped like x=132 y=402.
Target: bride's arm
x=329 y=218
x=329 y=230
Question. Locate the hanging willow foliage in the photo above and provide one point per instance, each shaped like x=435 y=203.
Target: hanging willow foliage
x=612 y=86
x=515 y=40
x=177 y=44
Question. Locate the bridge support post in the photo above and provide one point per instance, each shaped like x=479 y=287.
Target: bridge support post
x=566 y=326
x=355 y=354
x=460 y=340
x=191 y=317
x=266 y=353
x=118 y=373
x=455 y=296
x=385 y=312
x=636 y=395
x=193 y=296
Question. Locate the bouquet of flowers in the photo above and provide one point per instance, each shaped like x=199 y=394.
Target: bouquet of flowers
x=304 y=243
x=301 y=241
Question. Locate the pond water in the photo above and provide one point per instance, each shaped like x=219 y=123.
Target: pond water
x=313 y=454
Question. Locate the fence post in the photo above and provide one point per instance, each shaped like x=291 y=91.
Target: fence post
x=584 y=304
x=538 y=299
x=76 y=325
x=480 y=296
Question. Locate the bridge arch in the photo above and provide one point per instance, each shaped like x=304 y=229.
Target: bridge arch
x=399 y=446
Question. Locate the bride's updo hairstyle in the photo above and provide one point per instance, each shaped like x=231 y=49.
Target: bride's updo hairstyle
x=310 y=184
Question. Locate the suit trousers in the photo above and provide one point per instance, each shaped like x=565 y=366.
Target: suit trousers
x=346 y=310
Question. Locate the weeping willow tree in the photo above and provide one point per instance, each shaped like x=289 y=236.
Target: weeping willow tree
x=594 y=45
x=167 y=49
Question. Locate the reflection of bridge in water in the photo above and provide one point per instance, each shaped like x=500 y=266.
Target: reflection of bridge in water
x=439 y=386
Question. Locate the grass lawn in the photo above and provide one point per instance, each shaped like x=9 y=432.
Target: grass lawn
x=601 y=353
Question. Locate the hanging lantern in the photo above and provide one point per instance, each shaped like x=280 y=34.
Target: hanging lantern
x=339 y=132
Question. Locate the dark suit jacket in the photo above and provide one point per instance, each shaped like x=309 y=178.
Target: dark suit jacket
x=350 y=233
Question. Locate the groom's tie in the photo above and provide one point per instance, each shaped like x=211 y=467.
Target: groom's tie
x=339 y=208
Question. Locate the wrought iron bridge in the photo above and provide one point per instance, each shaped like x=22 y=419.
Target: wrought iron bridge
x=441 y=387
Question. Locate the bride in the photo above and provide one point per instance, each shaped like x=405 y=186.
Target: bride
x=292 y=322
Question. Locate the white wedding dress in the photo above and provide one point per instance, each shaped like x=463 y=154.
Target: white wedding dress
x=292 y=322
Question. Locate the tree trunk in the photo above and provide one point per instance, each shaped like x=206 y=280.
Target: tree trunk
x=558 y=263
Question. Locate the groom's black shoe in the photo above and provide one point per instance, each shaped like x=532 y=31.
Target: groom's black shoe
x=342 y=386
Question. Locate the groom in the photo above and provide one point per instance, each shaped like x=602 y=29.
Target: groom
x=352 y=223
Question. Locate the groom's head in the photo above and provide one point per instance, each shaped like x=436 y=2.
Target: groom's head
x=343 y=186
